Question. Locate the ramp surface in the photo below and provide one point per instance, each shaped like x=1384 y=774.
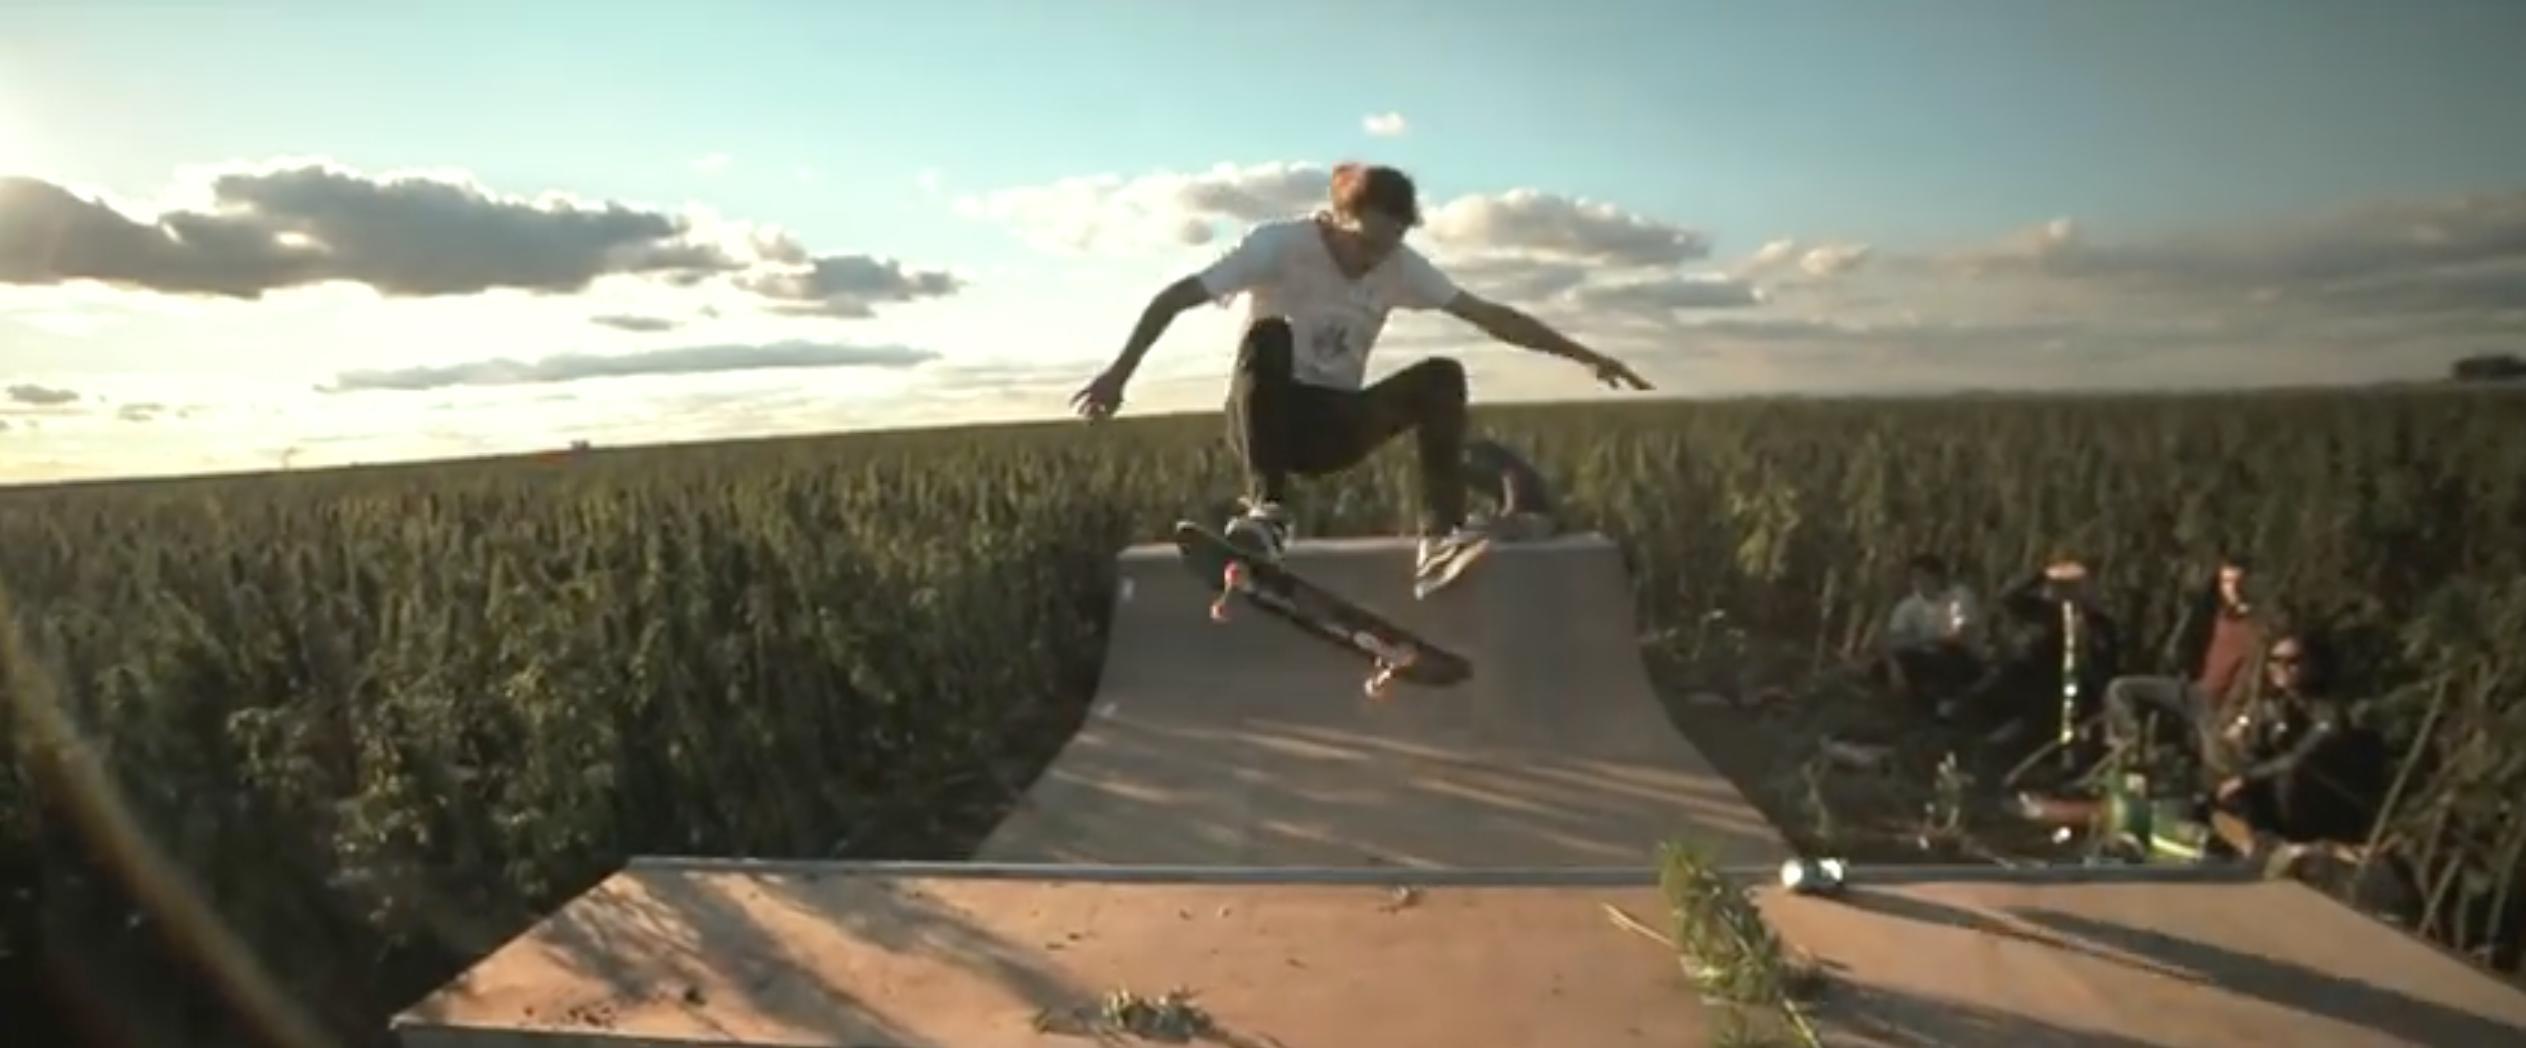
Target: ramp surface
x=1249 y=743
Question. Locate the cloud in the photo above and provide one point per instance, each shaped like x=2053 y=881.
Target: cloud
x=1909 y=331
x=571 y=367
x=1169 y=209
x=1113 y=214
x=623 y=322
x=41 y=396
x=4 y=425
x=1668 y=294
x=1770 y=256
x=140 y=412
x=1515 y=279
x=1383 y=125
x=1787 y=259
x=2494 y=286
x=288 y=226
x=2410 y=242
x=292 y=223
x=2368 y=292
x=1523 y=246
x=1832 y=260
x=1551 y=225
x=1032 y=377
x=847 y=286
x=2396 y=280
x=2359 y=293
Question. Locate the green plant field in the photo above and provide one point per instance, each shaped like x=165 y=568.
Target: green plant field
x=380 y=717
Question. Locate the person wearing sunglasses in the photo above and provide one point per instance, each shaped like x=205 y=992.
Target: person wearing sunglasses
x=2294 y=764
x=2060 y=648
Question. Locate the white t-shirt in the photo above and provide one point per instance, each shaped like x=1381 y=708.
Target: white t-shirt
x=1287 y=271
x=1920 y=622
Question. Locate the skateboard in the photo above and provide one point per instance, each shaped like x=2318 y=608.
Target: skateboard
x=1394 y=653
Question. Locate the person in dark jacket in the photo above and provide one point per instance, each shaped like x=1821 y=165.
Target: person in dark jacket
x=2295 y=762
x=2059 y=649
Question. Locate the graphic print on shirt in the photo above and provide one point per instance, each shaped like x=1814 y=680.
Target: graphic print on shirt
x=1330 y=347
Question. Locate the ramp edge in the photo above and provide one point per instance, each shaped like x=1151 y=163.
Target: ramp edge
x=1502 y=876
x=1387 y=545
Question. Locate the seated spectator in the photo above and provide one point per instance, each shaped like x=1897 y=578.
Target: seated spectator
x=2216 y=639
x=2295 y=763
x=1929 y=648
x=2059 y=650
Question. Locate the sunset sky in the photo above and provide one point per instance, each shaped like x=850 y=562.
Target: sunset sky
x=234 y=235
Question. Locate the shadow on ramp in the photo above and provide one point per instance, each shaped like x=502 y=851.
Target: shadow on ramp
x=2134 y=962
x=694 y=952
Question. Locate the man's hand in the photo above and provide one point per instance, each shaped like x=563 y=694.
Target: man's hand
x=2228 y=788
x=1614 y=373
x=1102 y=396
x=1517 y=329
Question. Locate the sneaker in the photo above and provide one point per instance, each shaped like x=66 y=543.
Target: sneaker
x=1263 y=530
x=1444 y=558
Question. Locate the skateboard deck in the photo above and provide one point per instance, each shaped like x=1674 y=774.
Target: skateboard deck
x=1394 y=653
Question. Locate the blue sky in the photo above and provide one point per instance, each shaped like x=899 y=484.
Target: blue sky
x=2008 y=194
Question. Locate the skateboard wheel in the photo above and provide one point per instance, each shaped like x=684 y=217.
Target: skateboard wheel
x=1380 y=684
x=1230 y=580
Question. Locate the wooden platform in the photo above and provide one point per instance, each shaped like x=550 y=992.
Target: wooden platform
x=1235 y=818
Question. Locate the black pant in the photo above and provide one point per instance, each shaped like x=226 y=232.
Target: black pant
x=1281 y=426
x=1938 y=671
x=2186 y=717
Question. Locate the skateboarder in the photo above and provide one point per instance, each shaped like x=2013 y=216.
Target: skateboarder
x=1319 y=288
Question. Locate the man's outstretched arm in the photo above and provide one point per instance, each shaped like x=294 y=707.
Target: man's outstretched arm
x=1511 y=325
x=1104 y=394
x=1162 y=310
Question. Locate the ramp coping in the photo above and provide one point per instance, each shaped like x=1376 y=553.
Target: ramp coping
x=1504 y=876
x=1354 y=545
